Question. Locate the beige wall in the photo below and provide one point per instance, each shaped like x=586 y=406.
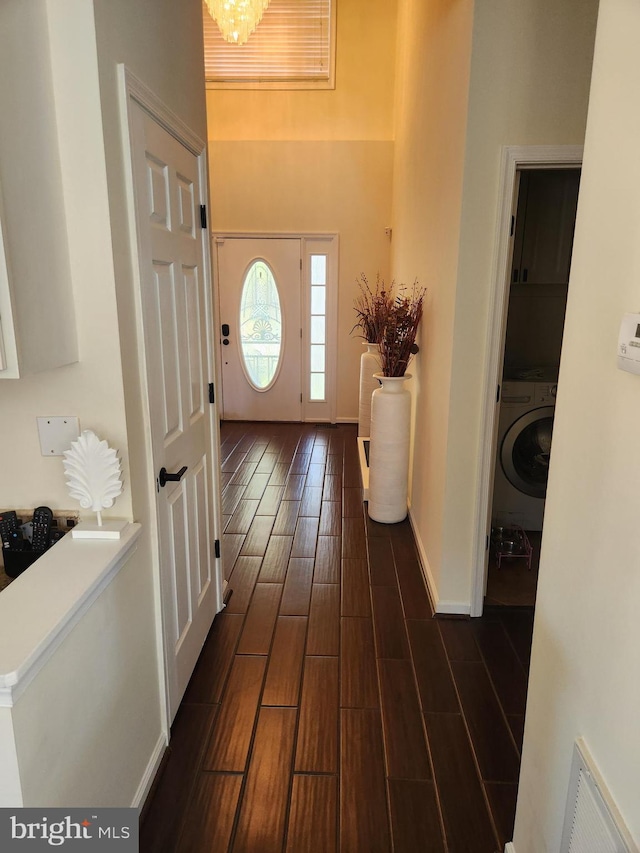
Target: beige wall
x=68 y=238
x=161 y=42
x=87 y=725
x=529 y=83
x=530 y=74
x=433 y=77
x=10 y=790
x=585 y=652
x=294 y=187
x=51 y=140
x=360 y=107
x=317 y=161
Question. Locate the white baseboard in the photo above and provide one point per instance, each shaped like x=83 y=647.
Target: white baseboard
x=346 y=420
x=150 y=773
x=424 y=564
x=453 y=608
x=509 y=847
x=457 y=608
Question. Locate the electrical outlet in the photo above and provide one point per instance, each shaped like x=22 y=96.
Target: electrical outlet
x=56 y=434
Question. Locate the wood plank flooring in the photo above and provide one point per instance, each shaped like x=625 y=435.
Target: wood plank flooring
x=329 y=710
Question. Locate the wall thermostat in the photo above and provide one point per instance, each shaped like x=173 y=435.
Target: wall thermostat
x=629 y=343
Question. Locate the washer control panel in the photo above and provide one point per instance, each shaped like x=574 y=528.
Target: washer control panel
x=545 y=394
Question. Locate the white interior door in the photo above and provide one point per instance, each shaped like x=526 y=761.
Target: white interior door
x=259 y=286
x=176 y=319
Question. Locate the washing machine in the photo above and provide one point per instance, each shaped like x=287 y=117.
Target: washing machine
x=525 y=428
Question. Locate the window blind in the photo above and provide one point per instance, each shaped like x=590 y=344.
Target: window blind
x=292 y=43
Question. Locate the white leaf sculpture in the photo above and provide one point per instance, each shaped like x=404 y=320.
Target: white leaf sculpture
x=92 y=471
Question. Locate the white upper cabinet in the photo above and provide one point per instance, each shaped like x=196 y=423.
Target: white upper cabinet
x=8 y=351
x=37 y=332
x=37 y=317
x=545 y=224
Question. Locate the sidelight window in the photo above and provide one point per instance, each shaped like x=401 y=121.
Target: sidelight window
x=318 y=332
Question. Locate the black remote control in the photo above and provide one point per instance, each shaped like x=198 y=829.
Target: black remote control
x=9 y=531
x=42 y=518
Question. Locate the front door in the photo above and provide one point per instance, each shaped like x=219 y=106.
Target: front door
x=174 y=284
x=259 y=283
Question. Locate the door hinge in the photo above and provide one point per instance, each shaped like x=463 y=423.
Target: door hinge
x=301 y=264
x=486 y=546
x=203 y=216
x=212 y=394
x=513 y=225
x=216 y=547
x=300 y=397
x=498 y=394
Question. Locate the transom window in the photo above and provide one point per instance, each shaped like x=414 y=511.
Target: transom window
x=292 y=47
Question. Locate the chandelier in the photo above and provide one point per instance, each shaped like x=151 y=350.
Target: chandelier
x=237 y=19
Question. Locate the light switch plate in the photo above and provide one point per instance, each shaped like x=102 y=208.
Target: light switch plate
x=56 y=434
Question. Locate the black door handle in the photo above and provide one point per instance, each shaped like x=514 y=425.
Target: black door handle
x=225 y=330
x=164 y=477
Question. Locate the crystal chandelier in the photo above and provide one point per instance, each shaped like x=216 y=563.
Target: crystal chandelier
x=237 y=19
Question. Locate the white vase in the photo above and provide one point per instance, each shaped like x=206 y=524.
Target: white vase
x=389 y=450
x=369 y=364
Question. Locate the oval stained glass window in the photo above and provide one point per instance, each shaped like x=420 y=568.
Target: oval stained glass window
x=260 y=326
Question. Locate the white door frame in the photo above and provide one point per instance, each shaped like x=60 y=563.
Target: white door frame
x=513 y=158
x=311 y=243
x=132 y=90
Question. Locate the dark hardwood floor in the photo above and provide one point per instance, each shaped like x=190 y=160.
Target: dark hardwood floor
x=329 y=710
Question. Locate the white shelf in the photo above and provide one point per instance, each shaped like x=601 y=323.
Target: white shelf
x=41 y=606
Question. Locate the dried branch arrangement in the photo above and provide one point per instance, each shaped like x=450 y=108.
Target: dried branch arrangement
x=390 y=321
x=370 y=305
x=397 y=341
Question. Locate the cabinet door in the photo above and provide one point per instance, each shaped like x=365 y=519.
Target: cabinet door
x=8 y=348
x=37 y=319
x=545 y=225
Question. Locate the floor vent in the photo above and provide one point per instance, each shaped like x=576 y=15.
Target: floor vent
x=592 y=822
x=326 y=426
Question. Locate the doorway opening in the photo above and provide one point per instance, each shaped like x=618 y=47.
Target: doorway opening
x=535 y=240
x=170 y=250
x=541 y=260
x=278 y=315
